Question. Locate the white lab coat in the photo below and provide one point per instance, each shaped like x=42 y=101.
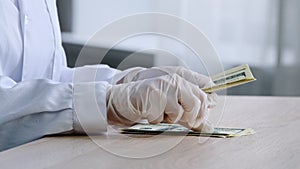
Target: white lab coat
x=36 y=89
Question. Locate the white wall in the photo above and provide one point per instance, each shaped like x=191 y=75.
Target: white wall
x=290 y=33
x=243 y=31
x=288 y=71
x=92 y=15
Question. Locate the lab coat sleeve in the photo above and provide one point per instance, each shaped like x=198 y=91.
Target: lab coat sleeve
x=89 y=73
x=35 y=108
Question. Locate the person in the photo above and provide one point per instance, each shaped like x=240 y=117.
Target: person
x=39 y=97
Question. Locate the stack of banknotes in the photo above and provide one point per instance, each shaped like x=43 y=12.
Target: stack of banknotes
x=176 y=129
x=227 y=79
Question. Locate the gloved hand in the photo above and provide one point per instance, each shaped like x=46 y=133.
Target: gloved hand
x=166 y=98
x=139 y=73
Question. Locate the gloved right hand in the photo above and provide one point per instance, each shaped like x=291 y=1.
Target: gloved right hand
x=139 y=73
x=168 y=98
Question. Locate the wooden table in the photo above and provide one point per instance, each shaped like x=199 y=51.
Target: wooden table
x=276 y=145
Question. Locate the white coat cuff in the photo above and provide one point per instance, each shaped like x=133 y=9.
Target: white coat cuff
x=90 y=107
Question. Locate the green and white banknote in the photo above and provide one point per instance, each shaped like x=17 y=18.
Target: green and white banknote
x=176 y=129
x=230 y=78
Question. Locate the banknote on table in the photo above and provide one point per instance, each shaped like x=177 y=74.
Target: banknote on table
x=230 y=78
x=176 y=129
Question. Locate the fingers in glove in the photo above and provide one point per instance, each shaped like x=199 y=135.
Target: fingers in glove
x=155 y=108
x=195 y=104
x=204 y=127
x=195 y=78
x=173 y=111
x=203 y=111
x=149 y=74
x=212 y=98
x=189 y=75
x=127 y=75
x=189 y=102
x=191 y=108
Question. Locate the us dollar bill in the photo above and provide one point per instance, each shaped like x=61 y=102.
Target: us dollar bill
x=176 y=129
x=230 y=78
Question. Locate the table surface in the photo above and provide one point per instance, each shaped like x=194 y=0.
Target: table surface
x=276 y=145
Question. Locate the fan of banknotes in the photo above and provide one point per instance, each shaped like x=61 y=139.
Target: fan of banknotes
x=230 y=78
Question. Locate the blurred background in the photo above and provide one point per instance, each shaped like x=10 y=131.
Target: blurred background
x=263 y=33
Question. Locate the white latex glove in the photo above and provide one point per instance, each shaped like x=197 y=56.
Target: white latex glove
x=139 y=73
x=166 y=98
